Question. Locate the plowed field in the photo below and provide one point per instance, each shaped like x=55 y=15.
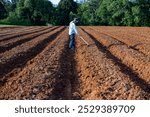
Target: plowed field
x=36 y=63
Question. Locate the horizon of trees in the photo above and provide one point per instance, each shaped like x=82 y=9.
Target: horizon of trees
x=91 y=12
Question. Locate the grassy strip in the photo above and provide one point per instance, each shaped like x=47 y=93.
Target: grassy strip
x=15 y=22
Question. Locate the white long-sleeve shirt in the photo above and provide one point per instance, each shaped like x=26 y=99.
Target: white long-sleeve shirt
x=72 y=28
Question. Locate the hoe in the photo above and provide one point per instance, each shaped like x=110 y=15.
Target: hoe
x=84 y=40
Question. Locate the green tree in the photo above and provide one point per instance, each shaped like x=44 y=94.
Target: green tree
x=92 y=7
x=87 y=12
x=111 y=12
x=124 y=12
x=7 y=5
x=3 y=12
x=141 y=12
x=91 y=12
x=38 y=12
x=84 y=14
x=14 y=4
x=65 y=7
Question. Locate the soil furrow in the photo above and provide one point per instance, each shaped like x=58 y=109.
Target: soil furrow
x=132 y=41
x=39 y=77
x=65 y=87
x=23 y=39
x=9 y=37
x=4 y=57
x=139 y=34
x=14 y=31
x=3 y=43
x=118 y=41
x=39 y=64
x=9 y=28
x=22 y=29
x=123 y=67
x=102 y=75
x=134 y=60
x=20 y=59
x=121 y=42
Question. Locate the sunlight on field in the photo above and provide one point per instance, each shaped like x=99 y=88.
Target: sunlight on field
x=36 y=63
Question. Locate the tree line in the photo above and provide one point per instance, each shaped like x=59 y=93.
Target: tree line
x=91 y=12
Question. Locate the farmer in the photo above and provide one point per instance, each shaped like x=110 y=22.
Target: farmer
x=72 y=33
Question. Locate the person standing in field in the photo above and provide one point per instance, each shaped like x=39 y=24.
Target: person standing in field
x=72 y=33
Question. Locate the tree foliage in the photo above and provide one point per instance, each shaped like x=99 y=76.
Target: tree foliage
x=3 y=11
x=90 y=12
x=115 y=12
x=37 y=11
x=64 y=9
x=87 y=12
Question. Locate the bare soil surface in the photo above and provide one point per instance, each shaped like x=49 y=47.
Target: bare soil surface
x=36 y=63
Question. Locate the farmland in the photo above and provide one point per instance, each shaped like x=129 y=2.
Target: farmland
x=36 y=63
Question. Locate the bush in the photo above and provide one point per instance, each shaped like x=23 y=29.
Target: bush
x=13 y=19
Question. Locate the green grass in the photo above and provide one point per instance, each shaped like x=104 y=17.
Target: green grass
x=3 y=25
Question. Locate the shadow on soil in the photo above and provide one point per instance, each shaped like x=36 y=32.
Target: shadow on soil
x=125 y=69
x=18 y=35
x=20 y=60
x=13 y=45
x=134 y=47
x=66 y=76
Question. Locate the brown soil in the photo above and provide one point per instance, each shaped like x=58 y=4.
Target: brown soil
x=35 y=63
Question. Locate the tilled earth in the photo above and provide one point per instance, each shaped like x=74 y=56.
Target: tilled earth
x=36 y=63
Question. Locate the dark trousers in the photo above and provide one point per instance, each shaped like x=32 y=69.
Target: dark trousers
x=72 y=41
